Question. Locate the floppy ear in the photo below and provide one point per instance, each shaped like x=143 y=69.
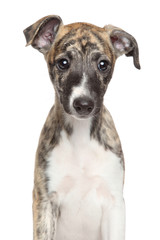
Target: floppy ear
x=42 y=34
x=123 y=43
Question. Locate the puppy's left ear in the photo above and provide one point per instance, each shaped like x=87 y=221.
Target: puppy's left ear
x=123 y=43
x=42 y=33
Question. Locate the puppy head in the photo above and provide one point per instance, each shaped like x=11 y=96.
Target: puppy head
x=81 y=59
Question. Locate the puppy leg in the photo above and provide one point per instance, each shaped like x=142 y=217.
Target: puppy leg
x=45 y=213
x=113 y=222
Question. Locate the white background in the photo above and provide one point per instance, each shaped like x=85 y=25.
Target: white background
x=133 y=99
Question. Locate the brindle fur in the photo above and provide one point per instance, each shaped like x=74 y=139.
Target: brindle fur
x=84 y=38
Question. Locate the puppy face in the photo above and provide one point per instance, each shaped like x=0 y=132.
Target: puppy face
x=80 y=60
x=80 y=64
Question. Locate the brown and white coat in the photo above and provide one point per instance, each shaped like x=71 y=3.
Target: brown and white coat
x=79 y=169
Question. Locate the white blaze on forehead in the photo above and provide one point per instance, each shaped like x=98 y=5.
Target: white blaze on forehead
x=80 y=90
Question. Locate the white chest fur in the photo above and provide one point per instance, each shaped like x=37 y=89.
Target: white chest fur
x=86 y=178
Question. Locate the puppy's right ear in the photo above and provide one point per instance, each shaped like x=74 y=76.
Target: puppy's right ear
x=42 y=34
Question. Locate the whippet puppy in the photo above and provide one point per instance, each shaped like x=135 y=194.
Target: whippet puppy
x=79 y=169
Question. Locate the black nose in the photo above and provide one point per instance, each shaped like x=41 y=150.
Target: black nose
x=83 y=105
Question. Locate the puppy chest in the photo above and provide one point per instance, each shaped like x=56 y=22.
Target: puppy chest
x=86 y=178
x=83 y=171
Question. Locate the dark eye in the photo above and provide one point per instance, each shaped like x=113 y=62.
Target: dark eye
x=63 y=64
x=103 y=65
